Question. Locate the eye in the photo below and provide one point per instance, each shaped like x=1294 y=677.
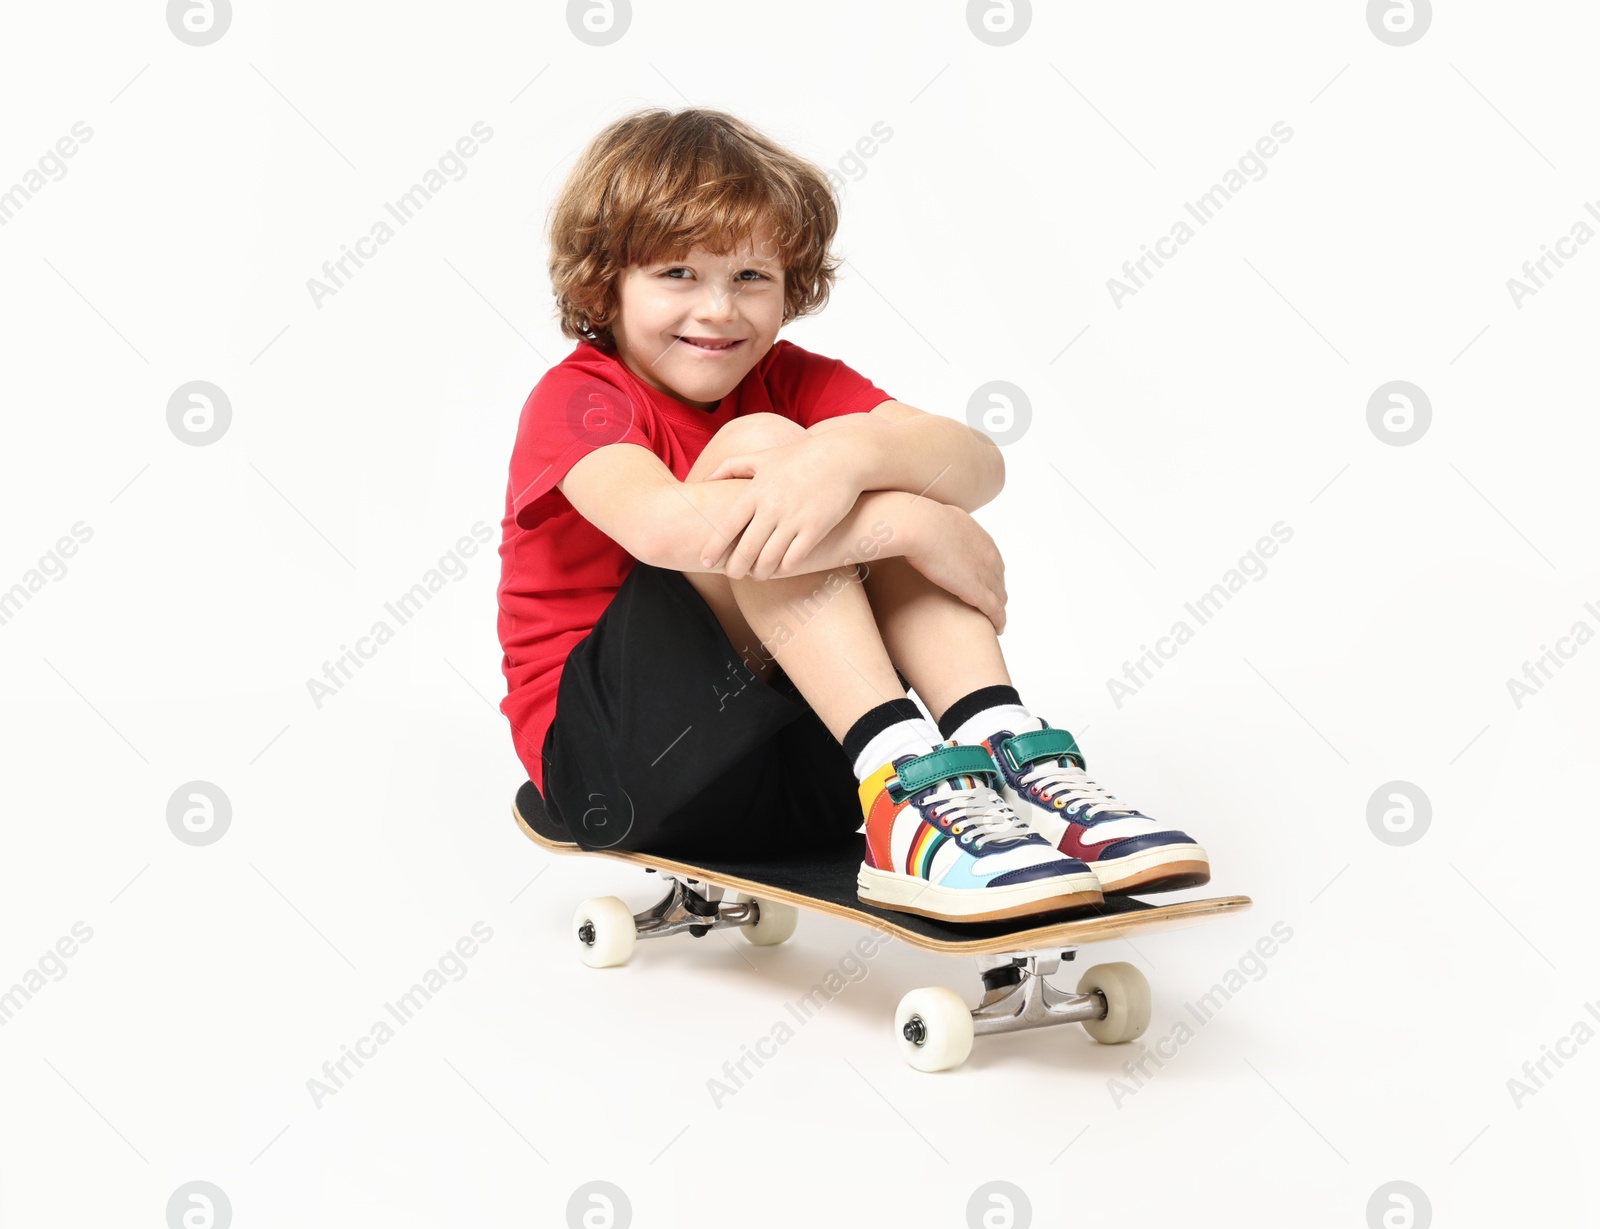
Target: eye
x=756 y=274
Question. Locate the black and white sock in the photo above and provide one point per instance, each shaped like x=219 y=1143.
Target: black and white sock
x=886 y=732
x=975 y=716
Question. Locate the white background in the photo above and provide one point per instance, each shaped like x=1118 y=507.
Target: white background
x=370 y=433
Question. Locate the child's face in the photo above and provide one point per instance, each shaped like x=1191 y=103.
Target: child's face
x=701 y=297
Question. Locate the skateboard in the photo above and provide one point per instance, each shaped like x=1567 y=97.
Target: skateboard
x=934 y=1027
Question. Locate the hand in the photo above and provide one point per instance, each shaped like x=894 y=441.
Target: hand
x=797 y=493
x=957 y=554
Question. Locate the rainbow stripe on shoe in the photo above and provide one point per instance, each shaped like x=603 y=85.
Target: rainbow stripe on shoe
x=943 y=844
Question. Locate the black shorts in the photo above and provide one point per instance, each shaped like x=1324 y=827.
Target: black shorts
x=665 y=742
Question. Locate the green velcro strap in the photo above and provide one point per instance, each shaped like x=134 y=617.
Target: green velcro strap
x=1046 y=744
x=938 y=765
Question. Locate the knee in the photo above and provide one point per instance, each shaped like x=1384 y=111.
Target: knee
x=747 y=433
x=752 y=431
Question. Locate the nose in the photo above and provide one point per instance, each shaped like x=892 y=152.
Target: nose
x=718 y=302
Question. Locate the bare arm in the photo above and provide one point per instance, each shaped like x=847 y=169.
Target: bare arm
x=896 y=447
x=626 y=492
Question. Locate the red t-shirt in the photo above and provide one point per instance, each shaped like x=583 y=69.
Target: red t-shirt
x=557 y=571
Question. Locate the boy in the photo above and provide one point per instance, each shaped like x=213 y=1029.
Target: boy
x=721 y=552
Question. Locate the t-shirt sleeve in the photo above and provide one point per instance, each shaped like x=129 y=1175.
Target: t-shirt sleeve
x=809 y=387
x=567 y=416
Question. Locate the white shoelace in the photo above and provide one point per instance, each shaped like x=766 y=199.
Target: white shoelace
x=979 y=810
x=1074 y=786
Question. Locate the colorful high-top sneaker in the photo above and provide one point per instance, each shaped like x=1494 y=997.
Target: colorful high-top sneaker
x=1045 y=783
x=942 y=843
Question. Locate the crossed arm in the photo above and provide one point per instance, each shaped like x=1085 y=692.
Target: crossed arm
x=901 y=448
x=892 y=481
x=805 y=488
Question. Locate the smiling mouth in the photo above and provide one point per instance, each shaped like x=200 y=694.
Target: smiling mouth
x=712 y=344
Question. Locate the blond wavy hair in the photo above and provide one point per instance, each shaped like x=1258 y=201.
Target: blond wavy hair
x=656 y=184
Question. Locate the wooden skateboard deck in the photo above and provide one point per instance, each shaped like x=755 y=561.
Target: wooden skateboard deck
x=825 y=882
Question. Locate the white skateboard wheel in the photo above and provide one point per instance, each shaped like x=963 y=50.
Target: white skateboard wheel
x=604 y=931
x=933 y=1028
x=1127 y=996
x=776 y=923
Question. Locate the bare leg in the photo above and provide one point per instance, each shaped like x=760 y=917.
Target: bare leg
x=819 y=627
x=946 y=648
x=715 y=588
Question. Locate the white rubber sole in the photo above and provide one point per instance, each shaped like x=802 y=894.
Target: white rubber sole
x=1165 y=867
x=912 y=895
